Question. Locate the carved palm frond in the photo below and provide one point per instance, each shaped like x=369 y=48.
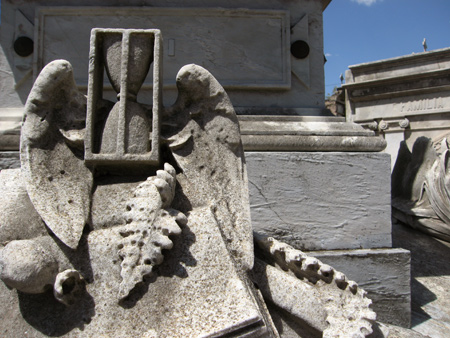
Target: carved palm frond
x=150 y=222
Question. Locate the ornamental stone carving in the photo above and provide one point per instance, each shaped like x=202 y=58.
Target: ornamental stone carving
x=139 y=221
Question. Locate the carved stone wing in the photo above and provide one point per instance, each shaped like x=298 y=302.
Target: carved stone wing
x=58 y=183
x=202 y=131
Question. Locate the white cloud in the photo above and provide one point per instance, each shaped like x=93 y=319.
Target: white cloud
x=328 y=55
x=366 y=2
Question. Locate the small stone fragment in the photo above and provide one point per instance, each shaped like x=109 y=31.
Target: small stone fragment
x=68 y=286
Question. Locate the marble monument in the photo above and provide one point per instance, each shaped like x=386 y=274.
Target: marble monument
x=138 y=219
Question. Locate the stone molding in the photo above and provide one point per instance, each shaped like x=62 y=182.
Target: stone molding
x=295 y=133
x=387 y=125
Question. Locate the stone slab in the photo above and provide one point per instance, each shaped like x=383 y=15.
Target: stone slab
x=383 y=273
x=320 y=200
x=421 y=103
x=198 y=293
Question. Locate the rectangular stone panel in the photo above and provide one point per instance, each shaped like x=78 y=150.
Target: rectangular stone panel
x=321 y=200
x=403 y=106
x=242 y=48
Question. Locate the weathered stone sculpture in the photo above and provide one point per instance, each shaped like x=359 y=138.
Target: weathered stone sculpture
x=420 y=187
x=154 y=239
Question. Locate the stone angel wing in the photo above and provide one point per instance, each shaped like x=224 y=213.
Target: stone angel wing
x=202 y=132
x=58 y=182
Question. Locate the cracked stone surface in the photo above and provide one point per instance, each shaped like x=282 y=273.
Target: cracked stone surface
x=294 y=198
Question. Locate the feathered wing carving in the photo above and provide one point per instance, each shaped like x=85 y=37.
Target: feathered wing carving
x=205 y=141
x=58 y=183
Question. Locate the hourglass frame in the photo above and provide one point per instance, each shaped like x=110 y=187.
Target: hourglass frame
x=93 y=155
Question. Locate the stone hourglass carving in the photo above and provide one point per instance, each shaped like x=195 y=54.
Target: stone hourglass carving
x=129 y=132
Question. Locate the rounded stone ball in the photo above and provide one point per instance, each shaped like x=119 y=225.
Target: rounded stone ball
x=26 y=266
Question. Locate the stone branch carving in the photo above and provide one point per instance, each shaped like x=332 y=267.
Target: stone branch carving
x=69 y=286
x=35 y=266
x=150 y=222
x=27 y=266
x=339 y=307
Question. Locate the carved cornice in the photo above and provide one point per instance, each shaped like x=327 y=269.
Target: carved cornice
x=412 y=59
x=388 y=88
x=290 y=133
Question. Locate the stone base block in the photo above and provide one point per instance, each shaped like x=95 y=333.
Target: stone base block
x=321 y=200
x=383 y=273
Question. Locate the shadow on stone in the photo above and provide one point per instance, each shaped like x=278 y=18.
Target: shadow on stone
x=420 y=297
x=47 y=315
x=79 y=258
x=138 y=292
x=177 y=258
x=287 y=324
x=429 y=256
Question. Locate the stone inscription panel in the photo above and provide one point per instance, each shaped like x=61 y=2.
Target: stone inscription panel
x=419 y=105
x=430 y=103
x=241 y=48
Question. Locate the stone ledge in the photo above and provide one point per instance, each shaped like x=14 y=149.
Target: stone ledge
x=312 y=143
x=297 y=133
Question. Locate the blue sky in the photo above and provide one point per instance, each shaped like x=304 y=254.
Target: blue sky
x=358 y=31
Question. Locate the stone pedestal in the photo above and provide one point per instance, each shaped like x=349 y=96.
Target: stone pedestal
x=336 y=204
x=321 y=200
